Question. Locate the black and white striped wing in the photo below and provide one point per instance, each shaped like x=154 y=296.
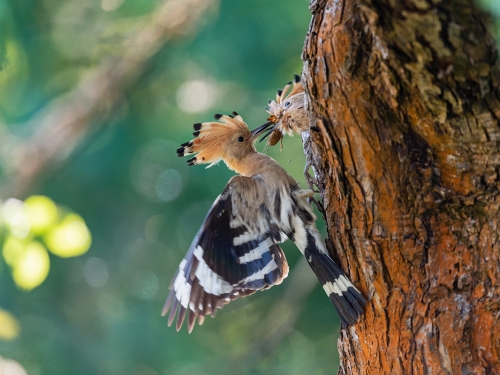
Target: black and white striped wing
x=234 y=254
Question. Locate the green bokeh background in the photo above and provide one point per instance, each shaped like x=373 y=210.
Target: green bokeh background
x=81 y=322
x=100 y=313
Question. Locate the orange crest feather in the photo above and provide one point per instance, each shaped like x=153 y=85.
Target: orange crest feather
x=211 y=138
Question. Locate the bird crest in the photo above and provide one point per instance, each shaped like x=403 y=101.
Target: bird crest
x=212 y=139
x=236 y=251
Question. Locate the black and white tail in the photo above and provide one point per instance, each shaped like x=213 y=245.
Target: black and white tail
x=348 y=300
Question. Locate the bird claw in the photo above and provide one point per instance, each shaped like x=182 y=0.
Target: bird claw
x=311 y=181
x=319 y=206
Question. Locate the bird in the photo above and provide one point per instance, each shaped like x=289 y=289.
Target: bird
x=236 y=251
x=287 y=113
x=288 y=116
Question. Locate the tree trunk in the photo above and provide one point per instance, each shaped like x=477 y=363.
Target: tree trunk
x=404 y=103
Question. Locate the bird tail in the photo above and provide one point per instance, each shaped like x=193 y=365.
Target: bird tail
x=347 y=299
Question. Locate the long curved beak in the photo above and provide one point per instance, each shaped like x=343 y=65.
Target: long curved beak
x=257 y=131
x=268 y=133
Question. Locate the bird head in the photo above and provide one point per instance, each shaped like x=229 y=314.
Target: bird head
x=287 y=113
x=229 y=139
x=286 y=100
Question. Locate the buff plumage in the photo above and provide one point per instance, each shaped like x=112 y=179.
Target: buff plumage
x=236 y=251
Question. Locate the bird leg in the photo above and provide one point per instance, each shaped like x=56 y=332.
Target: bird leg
x=311 y=181
x=319 y=206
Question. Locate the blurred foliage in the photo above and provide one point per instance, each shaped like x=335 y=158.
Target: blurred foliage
x=29 y=228
x=9 y=326
x=99 y=313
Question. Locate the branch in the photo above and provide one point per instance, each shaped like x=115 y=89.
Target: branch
x=63 y=125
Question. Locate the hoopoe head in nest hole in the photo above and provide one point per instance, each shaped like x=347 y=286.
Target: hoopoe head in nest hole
x=229 y=139
x=287 y=113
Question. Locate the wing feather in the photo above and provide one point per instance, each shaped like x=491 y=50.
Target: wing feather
x=233 y=255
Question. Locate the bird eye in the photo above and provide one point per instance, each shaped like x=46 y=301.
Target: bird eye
x=240 y=139
x=287 y=104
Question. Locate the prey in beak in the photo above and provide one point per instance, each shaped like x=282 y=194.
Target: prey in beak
x=257 y=131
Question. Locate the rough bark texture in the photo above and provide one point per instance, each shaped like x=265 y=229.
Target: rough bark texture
x=405 y=101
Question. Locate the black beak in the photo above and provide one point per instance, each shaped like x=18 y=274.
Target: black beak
x=268 y=132
x=254 y=133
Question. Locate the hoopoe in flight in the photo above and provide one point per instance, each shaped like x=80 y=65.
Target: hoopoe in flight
x=235 y=252
x=287 y=113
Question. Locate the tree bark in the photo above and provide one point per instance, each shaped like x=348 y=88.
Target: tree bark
x=404 y=105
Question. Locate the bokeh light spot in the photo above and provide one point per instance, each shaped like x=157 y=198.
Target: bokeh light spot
x=42 y=213
x=168 y=185
x=32 y=268
x=11 y=367
x=69 y=238
x=111 y=5
x=9 y=326
x=14 y=215
x=197 y=95
x=13 y=249
x=151 y=169
x=145 y=284
x=95 y=272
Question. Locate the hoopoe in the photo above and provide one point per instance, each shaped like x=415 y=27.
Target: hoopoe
x=235 y=252
x=288 y=116
x=287 y=113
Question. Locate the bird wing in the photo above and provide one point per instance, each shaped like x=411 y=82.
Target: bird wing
x=234 y=254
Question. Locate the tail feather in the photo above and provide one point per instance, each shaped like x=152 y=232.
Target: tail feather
x=348 y=301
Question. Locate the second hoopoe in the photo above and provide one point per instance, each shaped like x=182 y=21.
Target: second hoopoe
x=287 y=113
x=235 y=252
